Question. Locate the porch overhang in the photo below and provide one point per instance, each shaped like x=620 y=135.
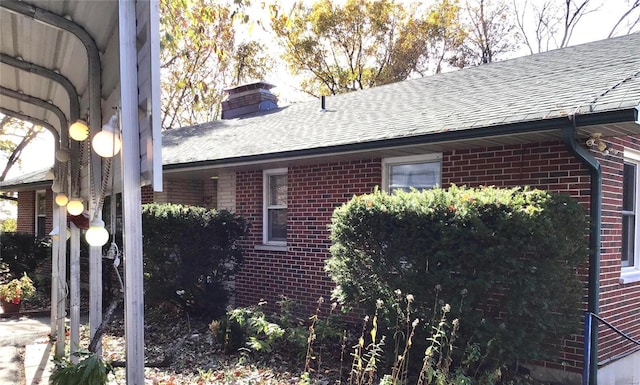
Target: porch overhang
x=65 y=60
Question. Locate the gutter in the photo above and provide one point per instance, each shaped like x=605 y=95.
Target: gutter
x=43 y=184
x=590 y=369
x=528 y=127
x=8 y=197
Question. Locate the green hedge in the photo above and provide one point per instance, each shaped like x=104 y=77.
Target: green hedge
x=506 y=258
x=190 y=254
x=21 y=253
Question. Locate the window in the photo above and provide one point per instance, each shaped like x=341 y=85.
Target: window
x=421 y=172
x=275 y=207
x=630 y=257
x=41 y=214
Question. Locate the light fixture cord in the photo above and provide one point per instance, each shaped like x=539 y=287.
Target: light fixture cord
x=64 y=178
x=112 y=214
x=115 y=121
x=75 y=182
x=92 y=189
x=113 y=211
x=106 y=181
x=106 y=165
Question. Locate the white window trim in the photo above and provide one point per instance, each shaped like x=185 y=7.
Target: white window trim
x=37 y=212
x=631 y=274
x=265 y=206
x=399 y=160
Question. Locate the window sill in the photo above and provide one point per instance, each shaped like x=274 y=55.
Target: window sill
x=630 y=277
x=271 y=247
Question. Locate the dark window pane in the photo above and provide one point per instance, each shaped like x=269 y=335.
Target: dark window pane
x=277 y=225
x=628 y=187
x=278 y=190
x=40 y=227
x=628 y=237
x=40 y=204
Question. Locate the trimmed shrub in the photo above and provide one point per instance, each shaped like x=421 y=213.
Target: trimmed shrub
x=509 y=257
x=22 y=253
x=190 y=255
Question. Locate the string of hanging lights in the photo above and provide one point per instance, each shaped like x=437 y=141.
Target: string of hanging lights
x=106 y=144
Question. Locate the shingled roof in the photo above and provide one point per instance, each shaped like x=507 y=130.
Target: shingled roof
x=28 y=181
x=584 y=80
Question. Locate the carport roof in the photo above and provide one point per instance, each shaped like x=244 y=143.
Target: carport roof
x=60 y=60
x=29 y=48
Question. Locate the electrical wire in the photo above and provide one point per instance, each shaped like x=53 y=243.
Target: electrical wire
x=114 y=251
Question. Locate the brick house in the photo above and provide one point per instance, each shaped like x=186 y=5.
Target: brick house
x=565 y=121
x=35 y=202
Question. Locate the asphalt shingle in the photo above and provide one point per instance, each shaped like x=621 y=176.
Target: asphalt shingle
x=588 y=78
x=38 y=176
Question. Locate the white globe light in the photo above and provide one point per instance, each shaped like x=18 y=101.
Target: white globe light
x=106 y=144
x=75 y=206
x=55 y=187
x=62 y=199
x=97 y=235
x=79 y=130
x=62 y=155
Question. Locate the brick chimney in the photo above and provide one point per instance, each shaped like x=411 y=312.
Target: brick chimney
x=247 y=99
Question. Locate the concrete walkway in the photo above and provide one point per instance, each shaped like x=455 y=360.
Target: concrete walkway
x=37 y=362
x=31 y=334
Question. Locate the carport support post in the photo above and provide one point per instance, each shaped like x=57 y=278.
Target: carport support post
x=131 y=196
x=55 y=255
x=74 y=306
x=60 y=283
x=54 y=276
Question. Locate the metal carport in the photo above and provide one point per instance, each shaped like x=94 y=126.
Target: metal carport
x=65 y=60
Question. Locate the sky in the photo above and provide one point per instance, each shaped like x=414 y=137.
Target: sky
x=594 y=26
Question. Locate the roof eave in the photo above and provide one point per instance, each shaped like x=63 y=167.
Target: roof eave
x=629 y=115
x=30 y=186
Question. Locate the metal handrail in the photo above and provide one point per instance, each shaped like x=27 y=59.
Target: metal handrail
x=589 y=316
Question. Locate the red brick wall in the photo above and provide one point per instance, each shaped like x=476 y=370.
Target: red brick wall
x=313 y=193
x=26 y=212
x=146 y=194
x=48 y=210
x=184 y=191
x=546 y=166
x=619 y=303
